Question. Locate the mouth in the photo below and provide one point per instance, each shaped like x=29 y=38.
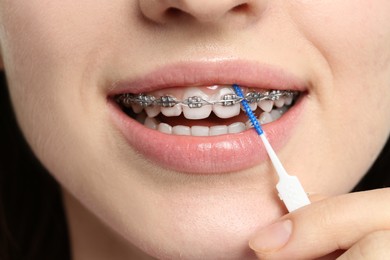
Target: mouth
x=204 y=111
x=181 y=118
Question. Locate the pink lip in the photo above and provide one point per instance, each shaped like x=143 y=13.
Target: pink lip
x=208 y=155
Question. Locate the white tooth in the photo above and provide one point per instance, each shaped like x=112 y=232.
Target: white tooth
x=253 y=106
x=288 y=100
x=152 y=111
x=136 y=108
x=218 y=130
x=225 y=111
x=266 y=105
x=248 y=124
x=151 y=123
x=141 y=118
x=282 y=110
x=236 y=128
x=171 y=111
x=181 y=130
x=165 y=128
x=280 y=102
x=200 y=130
x=196 y=113
x=265 y=118
x=276 y=114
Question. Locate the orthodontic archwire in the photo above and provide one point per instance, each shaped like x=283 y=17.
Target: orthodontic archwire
x=289 y=187
x=145 y=100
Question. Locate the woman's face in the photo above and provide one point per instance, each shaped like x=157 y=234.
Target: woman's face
x=188 y=196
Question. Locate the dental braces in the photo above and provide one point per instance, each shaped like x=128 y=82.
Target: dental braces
x=227 y=100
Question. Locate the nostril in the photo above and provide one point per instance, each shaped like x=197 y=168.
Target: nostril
x=242 y=8
x=202 y=11
x=174 y=13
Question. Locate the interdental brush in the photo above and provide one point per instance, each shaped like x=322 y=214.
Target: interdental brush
x=290 y=189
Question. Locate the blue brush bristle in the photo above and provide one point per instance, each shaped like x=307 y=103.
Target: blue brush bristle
x=248 y=110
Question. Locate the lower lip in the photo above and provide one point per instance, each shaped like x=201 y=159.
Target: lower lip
x=206 y=155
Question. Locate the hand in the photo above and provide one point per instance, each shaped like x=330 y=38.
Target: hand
x=357 y=223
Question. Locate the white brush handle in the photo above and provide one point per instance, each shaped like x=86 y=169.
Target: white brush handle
x=290 y=189
x=292 y=193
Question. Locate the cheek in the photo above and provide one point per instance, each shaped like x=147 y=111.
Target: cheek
x=350 y=43
x=49 y=63
x=346 y=43
x=355 y=49
x=46 y=71
x=57 y=75
x=352 y=95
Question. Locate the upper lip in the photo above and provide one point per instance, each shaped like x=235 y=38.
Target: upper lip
x=182 y=74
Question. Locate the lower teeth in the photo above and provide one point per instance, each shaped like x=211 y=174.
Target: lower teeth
x=198 y=130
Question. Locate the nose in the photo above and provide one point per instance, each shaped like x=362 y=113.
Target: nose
x=204 y=11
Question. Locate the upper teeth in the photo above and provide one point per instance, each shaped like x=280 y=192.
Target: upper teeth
x=229 y=108
x=195 y=98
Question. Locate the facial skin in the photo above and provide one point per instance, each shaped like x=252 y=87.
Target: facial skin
x=62 y=57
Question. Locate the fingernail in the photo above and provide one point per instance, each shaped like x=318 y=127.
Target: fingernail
x=272 y=237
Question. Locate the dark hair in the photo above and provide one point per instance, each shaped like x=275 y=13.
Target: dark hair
x=32 y=219
x=379 y=174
